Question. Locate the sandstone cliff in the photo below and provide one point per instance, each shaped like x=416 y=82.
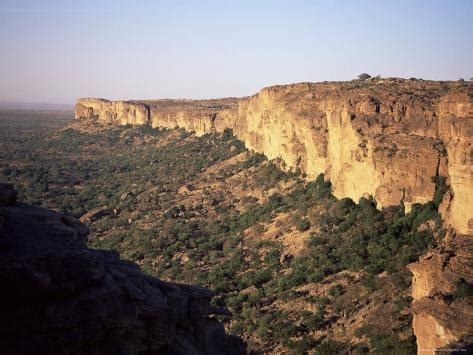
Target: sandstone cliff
x=117 y=112
x=384 y=138
x=59 y=297
x=441 y=315
x=387 y=138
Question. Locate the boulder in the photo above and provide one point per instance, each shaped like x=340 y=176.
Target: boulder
x=125 y=195
x=95 y=215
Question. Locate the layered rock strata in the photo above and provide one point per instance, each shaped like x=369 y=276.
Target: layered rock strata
x=386 y=138
x=60 y=297
x=442 y=314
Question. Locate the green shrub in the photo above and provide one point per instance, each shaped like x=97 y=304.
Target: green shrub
x=314 y=321
x=302 y=224
x=370 y=281
x=440 y=189
x=301 y=346
x=253 y=160
x=335 y=291
x=463 y=290
x=330 y=347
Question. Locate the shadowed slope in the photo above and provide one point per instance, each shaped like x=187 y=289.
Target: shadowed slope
x=61 y=297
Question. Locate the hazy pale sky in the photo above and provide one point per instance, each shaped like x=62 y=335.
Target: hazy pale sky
x=55 y=51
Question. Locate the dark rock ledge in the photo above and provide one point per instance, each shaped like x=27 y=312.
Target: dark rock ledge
x=60 y=297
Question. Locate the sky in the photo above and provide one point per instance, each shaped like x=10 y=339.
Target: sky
x=54 y=51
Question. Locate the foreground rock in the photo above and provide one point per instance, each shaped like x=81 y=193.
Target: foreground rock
x=60 y=297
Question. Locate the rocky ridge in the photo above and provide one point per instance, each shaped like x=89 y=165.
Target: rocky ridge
x=386 y=137
x=61 y=297
x=399 y=133
x=441 y=317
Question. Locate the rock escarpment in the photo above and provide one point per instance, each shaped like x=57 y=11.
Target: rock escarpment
x=387 y=138
x=118 y=112
x=442 y=315
x=58 y=296
x=443 y=310
x=384 y=138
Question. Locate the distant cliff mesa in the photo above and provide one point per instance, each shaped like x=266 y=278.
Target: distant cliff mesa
x=386 y=137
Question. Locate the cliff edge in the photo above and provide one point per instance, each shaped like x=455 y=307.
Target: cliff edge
x=387 y=138
x=58 y=296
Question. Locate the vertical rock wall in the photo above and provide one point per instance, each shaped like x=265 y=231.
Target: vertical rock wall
x=370 y=140
x=456 y=130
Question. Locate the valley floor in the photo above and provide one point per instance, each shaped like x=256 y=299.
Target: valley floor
x=300 y=270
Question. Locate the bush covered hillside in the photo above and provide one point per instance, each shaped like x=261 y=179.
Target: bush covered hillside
x=299 y=269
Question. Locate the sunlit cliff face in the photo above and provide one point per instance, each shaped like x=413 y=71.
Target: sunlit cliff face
x=386 y=138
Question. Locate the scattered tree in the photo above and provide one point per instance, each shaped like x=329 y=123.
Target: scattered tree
x=464 y=290
x=364 y=76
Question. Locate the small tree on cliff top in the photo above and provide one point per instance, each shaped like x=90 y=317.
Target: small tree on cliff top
x=364 y=76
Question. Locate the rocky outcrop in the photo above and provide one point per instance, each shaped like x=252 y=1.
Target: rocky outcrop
x=116 y=112
x=386 y=138
x=60 y=297
x=359 y=137
x=456 y=130
x=95 y=215
x=443 y=315
x=199 y=116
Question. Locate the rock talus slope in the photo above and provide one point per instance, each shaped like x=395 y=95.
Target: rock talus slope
x=387 y=138
x=60 y=297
